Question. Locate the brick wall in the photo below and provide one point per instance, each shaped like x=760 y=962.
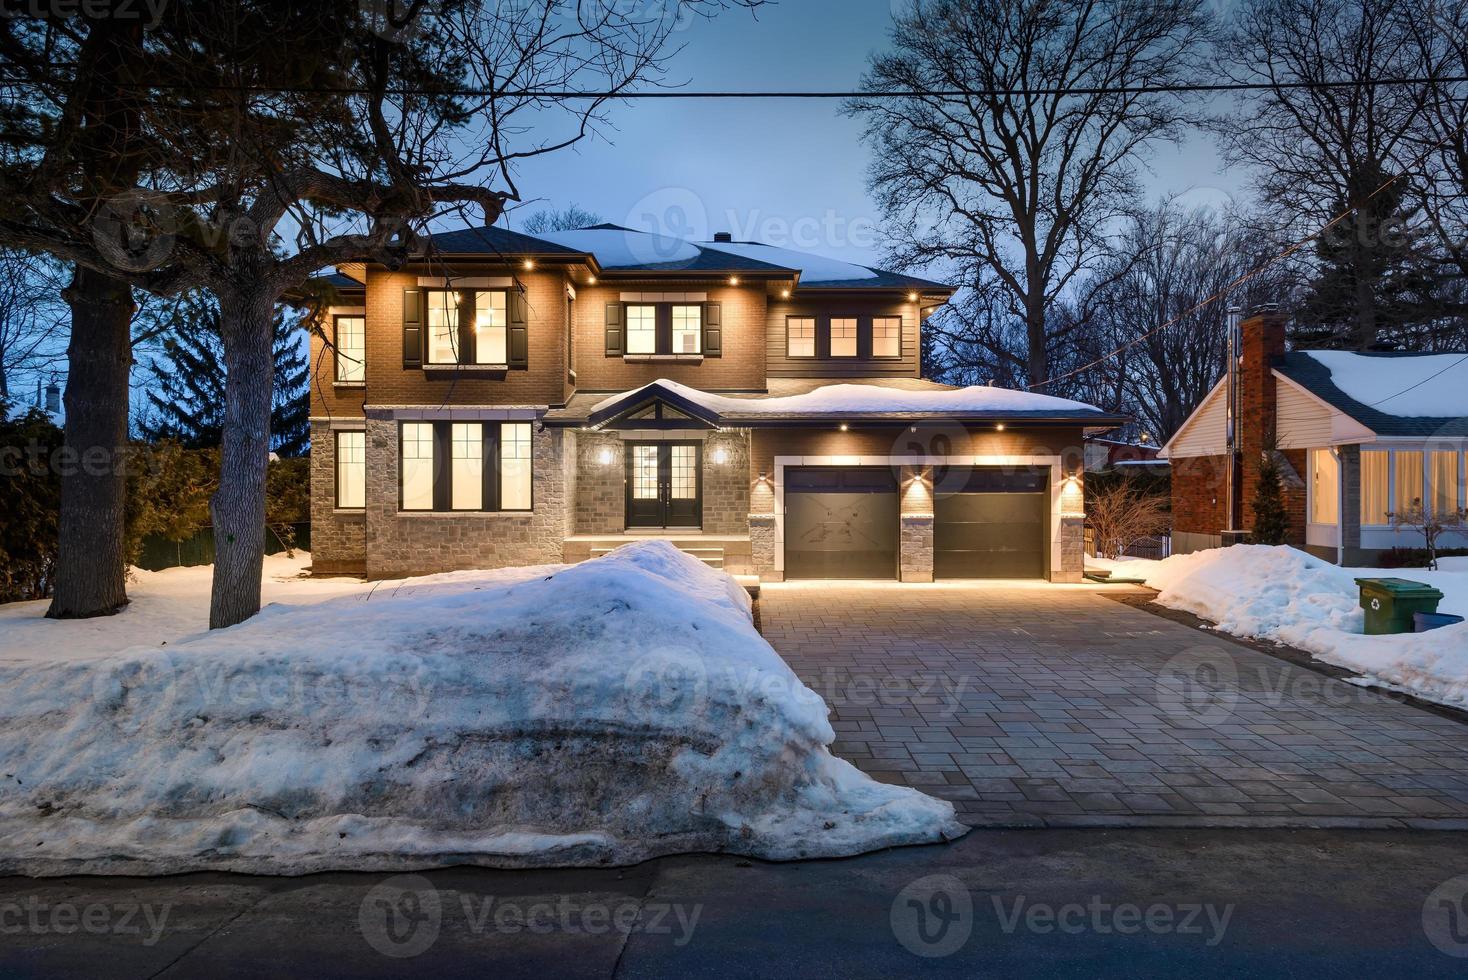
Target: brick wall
x=1263 y=343
x=338 y=537
x=741 y=366
x=403 y=544
x=1198 y=502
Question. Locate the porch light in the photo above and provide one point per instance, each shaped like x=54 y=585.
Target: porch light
x=604 y=456
x=721 y=456
x=912 y=297
x=733 y=280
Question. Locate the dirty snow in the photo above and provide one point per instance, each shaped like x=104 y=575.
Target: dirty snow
x=1286 y=595
x=605 y=712
x=1423 y=386
x=871 y=400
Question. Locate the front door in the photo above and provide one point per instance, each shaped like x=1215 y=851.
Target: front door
x=664 y=484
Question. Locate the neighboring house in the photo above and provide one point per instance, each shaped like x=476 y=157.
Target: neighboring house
x=519 y=399
x=1103 y=453
x=1357 y=436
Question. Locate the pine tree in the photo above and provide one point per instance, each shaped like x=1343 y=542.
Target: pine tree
x=1271 y=520
x=189 y=396
x=1376 y=277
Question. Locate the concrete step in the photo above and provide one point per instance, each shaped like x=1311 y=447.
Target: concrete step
x=710 y=556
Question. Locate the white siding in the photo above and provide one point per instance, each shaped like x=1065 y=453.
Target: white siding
x=1203 y=433
x=1303 y=422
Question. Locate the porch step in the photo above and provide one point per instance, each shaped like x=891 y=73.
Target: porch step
x=712 y=557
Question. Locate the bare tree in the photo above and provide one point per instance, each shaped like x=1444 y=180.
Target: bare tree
x=1432 y=522
x=1017 y=150
x=569 y=218
x=1152 y=301
x=284 y=138
x=1321 y=149
x=1440 y=32
x=31 y=320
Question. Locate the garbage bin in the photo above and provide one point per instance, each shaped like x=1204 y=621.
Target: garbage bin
x=1391 y=602
x=1424 y=621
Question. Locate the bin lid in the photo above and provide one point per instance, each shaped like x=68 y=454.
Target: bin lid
x=1398 y=587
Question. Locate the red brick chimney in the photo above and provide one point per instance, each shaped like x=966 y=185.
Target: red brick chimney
x=1261 y=347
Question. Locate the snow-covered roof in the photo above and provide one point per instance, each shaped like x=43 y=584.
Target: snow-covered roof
x=857 y=402
x=1392 y=394
x=812 y=268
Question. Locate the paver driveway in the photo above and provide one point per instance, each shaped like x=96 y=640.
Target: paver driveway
x=1057 y=705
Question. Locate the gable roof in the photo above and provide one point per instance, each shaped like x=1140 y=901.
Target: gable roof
x=864 y=402
x=1382 y=390
x=819 y=272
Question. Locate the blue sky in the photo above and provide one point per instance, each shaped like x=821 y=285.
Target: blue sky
x=786 y=172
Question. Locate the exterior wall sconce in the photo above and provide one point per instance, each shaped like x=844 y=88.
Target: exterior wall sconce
x=604 y=456
x=999 y=427
x=784 y=294
x=912 y=297
x=733 y=280
x=721 y=456
x=844 y=427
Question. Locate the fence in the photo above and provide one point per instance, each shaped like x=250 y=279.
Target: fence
x=1156 y=547
x=198 y=549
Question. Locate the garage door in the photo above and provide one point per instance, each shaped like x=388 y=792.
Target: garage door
x=840 y=522
x=990 y=523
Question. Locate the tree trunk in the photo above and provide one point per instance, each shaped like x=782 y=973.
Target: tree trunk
x=1038 y=361
x=238 y=506
x=91 y=564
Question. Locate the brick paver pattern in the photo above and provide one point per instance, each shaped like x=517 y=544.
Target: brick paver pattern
x=1042 y=705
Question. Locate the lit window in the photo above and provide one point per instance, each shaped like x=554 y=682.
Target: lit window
x=467 y=478
x=490 y=328
x=1324 y=487
x=843 y=336
x=417 y=466
x=800 y=336
x=887 y=336
x=351 y=345
x=683 y=475
x=642 y=329
x=1407 y=474
x=687 y=329
x=1445 y=483
x=1374 y=486
x=443 y=327
x=515 y=466
x=351 y=469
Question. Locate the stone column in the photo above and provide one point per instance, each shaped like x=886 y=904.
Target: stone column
x=762 y=547
x=915 y=543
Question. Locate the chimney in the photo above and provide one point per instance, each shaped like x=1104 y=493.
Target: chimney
x=1262 y=347
x=723 y=236
x=53 y=399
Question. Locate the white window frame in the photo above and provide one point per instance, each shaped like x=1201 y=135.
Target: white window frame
x=1426 y=449
x=1316 y=497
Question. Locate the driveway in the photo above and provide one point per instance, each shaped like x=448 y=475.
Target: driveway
x=1042 y=705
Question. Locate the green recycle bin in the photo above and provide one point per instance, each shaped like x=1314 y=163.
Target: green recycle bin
x=1391 y=602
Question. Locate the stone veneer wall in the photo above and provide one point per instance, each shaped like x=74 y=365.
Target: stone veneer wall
x=915 y=533
x=405 y=544
x=338 y=537
x=601 y=487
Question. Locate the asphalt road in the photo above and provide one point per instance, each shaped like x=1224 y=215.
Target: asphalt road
x=1054 y=903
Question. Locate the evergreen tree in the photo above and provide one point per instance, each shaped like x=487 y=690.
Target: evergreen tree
x=1271 y=520
x=188 y=399
x=1377 y=278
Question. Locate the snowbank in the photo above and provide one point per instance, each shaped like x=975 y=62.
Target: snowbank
x=1286 y=595
x=606 y=712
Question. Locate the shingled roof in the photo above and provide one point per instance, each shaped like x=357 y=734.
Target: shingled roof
x=1305 y=370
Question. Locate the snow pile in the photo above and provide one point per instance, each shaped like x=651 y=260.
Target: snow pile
x=1286 y=595
x=812 y=268
x=602 y=713
x=1421 y=386
x=870 y=400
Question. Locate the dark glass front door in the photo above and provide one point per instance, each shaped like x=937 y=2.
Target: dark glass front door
x=664 y=484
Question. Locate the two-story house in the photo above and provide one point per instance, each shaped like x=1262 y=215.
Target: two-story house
x=511 y=400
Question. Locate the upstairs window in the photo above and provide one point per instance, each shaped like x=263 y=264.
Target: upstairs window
x=642 y=329
x=443 y=327
x=843 y=336
x=351 y=349
x=491 y=327
x=468 y=326
x=887 y=336
x=687 y=329
x=800 y=336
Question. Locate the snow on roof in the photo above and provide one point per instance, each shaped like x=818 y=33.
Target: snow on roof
x=813 y=268
x=1416 y=386
x=621 y=247
x=871 y=400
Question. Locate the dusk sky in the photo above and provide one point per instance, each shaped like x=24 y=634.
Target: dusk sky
x=787 y=172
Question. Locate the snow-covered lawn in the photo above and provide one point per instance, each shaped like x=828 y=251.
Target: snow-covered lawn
x=1286 y=595
x=605 y=712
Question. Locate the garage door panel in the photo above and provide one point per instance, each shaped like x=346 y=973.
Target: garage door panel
x=840 y=524
x=990 y=535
